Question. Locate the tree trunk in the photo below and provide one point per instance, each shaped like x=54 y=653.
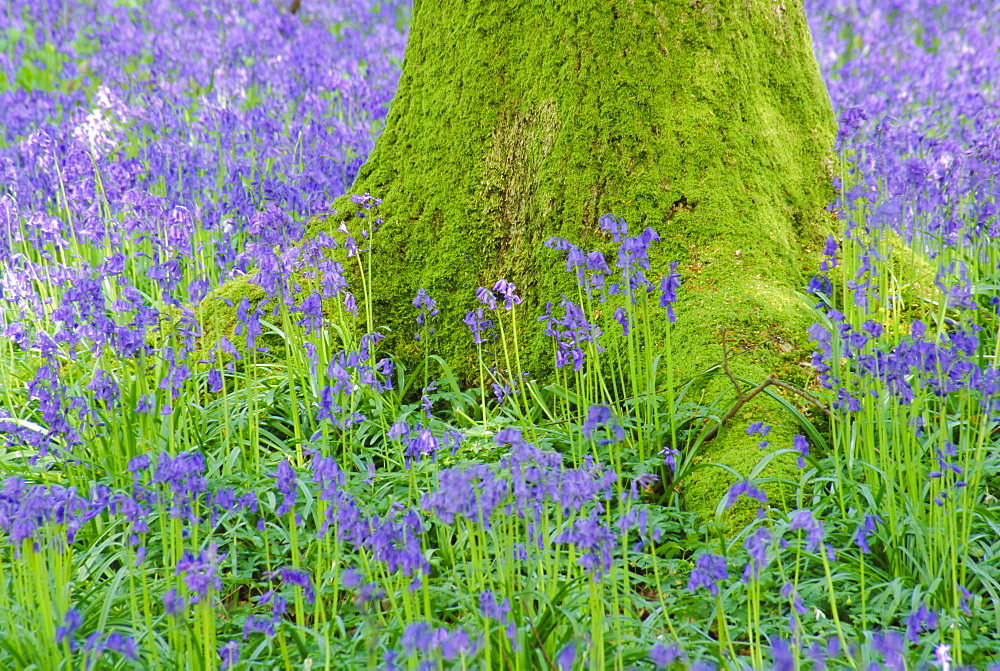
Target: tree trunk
x=519 y=120
x=516 y=121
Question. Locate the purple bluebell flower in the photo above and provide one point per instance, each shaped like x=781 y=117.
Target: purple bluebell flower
x=892 y=647
x=864 y=531
x=491 y=609
x=214 y=380
x=920 y=620
x=184 y=476
x=473 y=493
x=643 y=482
x=788 y=591
x=670 y=455
x=424 y=444
x=200 y=573
x=594 y=541
x=964 y=600
x=801 y=446
x=600 y=416
x=820 y=285
x=803 y=520
x=285 y=484
x=744 y=488
x=417 y=637
x=665 y=655
x=487 y=298
x=173 y=602
x=477 y=324
x=71 y=622
x=621 y=316
x=350 y=578
x=426 y=403
x=507 y=292
x=781 y=653
x=300 y=579
x=123 y=645
x=756 y=546
x=872 y=328
x=669 y=285
x=709 y=570
x=510 y=436
x=229 y=653
x=428 y=310
x=399 y=431
x=615 y=226
x=566 y=657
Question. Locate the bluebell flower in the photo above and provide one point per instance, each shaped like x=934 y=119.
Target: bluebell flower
x=428 y=309
x=486 y=297
x=300 y=579
x=756 y=546
x=285 y=484
x=670 y=455
x=173 y=602
x=744 y=488
x=801 y=446
x=594 y=541
x=350 y=578
x=200 y=573
x=920 y=620
x=621 y=316
x=71 y=622
x=803 y=520
x=709 y=570
x=477 y=324
x=490 y=608
x=599 y=416
x=229 y=653
x=665 y=655
x=892 y=647
x=566 y=657
x=507 y=292
x=781 y=653
x=615 y=226
x=864 y=531
x=669 y=285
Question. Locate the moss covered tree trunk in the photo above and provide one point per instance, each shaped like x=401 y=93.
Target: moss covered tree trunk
x=518 y=120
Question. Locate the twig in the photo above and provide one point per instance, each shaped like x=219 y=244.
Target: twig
x=740 y=402
x=798 y=392
x=541 y=645
x=742 y=399
x=725 y=366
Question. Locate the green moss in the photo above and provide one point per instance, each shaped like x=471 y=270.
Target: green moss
x=706 y=120
x=217 y=313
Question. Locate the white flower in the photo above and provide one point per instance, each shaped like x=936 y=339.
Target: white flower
x=942 y=656
x=98 y=127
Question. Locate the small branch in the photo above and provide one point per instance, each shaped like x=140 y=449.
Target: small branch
x=740 y=402
x=742 y=399
x=541 y=645
x=725 y=367
x=798 y=392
